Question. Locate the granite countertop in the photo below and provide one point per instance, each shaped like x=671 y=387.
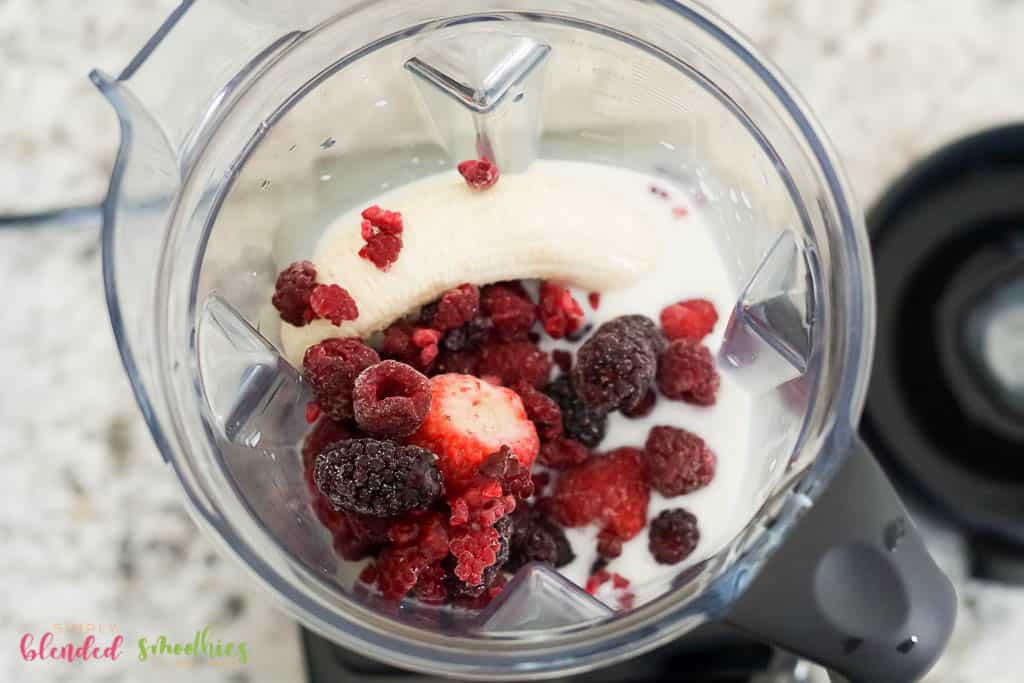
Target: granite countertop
x=92 y=525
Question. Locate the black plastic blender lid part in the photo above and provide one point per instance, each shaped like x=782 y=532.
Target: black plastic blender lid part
x=944 y=238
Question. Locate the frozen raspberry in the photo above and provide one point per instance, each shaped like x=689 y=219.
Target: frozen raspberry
x=382 y=250
x=562 y=359
x=331 y=368
x=459 y=362
x=389 y=222
x=691 y=319
x=644 y=407
x=334 y=520
x=595 y=300
x=504 y=467
x=426 y=340
x=469 y=336
x=456 y=307
x=608 y=544
x=398 y=570
x=491 y=576
x=615 y=367
x=378 y=478
x=678 y=461
x=432 y=585
x=349 y=547
x=480 y=174
x=481 y=503
x=372 y=530
x=562 y=454
x=560 y=313
x=686 y=372
x=510 y=310
x=396 y=343
x=333 y=303
x=294 y=286
x=537 y=538
x=424 y=530
x=579 y=421
x=474 y=549
x=673 y=536
x=469 y=420
x=610 y=489
x=390 y=399
x=516 y=362
x=542 y=410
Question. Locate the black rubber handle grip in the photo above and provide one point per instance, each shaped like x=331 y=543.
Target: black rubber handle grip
x=853 y=587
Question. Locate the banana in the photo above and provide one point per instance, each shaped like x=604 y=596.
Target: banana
x=578 y=223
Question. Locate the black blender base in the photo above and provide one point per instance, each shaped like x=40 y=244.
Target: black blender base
x=711 y=654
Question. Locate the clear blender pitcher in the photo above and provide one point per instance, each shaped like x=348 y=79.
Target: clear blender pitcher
x=247 y=125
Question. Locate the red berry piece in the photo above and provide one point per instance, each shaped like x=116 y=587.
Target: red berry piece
x=331 y=368
x=292 y=291
x=480 y=174
x=562 y=359
x=595 y=300
x=608 y=545
x=382 y=250
x=390 y=399
x=432 y=585
x=542 y=410
x=312 y=412
x=396 y=343
x=560 y=313
x=562 y=454
x=426 y=339
x=644 y=408
x=333 y=303
x=510 y=309
x=516 y=362
x=673 y=536
x=388 y=222
x=456 y=307
x=398 y=570
x=692 y=319
x=610 y=489
x=686 y=372
x=504 y=467
x=678 y=461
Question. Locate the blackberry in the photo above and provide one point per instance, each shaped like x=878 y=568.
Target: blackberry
x=537 y=538
x=617 y=366
x=579 y=420
x=673 y=536
x=378 y=478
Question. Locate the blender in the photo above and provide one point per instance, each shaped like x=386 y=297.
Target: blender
x=248 y=125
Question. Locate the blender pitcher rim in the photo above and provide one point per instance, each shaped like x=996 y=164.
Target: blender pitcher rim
x=850 y=390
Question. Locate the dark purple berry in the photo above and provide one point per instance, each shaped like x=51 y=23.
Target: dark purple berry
x=579 y=420
x=673 y=536
x=617 y=365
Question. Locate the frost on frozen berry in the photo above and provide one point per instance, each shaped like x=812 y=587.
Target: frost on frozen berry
x=678 y=461
x=686 y=372
x=510 y=309
x=490 y=577
x=560 y=313
x=537 y=538
x=333 y=303
x=609 y=489
x=479 y=174
x=542 y=410
x=331 y=368
x=382 y=232
x=615 y=367
x=579 y=421
x=378 y=478
x=292 y=291
x=673 y=536
x=390 y=399
x=645 y=407
x=420 y=545
x=562 y=454
x=515 y=362
x=691 y=319
x=456 y=307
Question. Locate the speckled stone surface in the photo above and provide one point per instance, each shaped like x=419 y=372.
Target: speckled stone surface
x=91 y=524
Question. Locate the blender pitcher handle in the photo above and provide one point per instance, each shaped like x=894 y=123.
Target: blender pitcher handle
x=853 y=586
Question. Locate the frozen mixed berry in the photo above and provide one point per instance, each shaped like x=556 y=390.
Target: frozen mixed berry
x=579 y=420
x=325 y=433
x=390 y=399
x=560 y=313
x=615 y=367
x=490 y=576
x=542 y=410
x=480 y=174
x=639 y=326
x=595 y=300
x=331 y=368
x=686 y=372
x=537 y=538
x=469 y=420
x=333 y=303
x=369 y=529
x=426 y=340
x=562 y=359
x=609 y=489
x=294 y=286
x=505 y=468
x=459 y=362
x=644 y=407
x=382 y=250
x=673 y=536
x=378 y=478
x=691 y=319
x=396 y=343
x=609 y=545
x=432 y=585
x=422 y=542
x=678 y=461
x=514 y=362
x=611 y=588
x=510 y=309
x=475 y=549
x=470 y=336
x=456 y=307
x=562 y=453
x=347 y=545
x=389 y=222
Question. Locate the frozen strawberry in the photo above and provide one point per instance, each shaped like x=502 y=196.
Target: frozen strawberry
x=470 y=419
x=611 y=490
x=691 y=319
